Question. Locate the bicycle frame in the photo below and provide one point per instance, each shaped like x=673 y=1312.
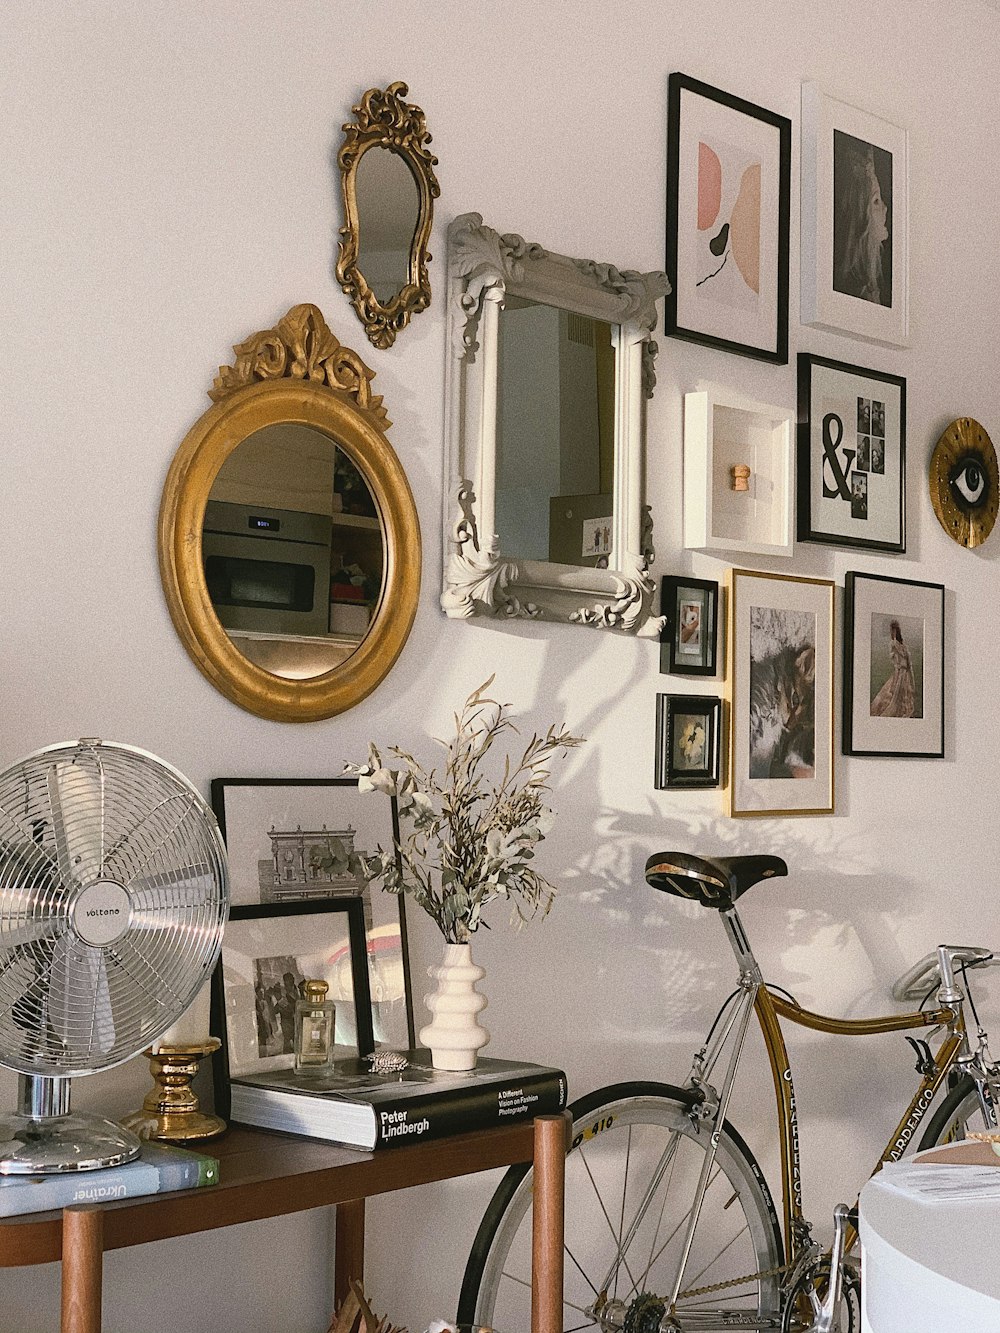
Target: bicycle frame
x=769 y=1008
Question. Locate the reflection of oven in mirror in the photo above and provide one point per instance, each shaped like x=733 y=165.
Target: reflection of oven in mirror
x=293 y=551
x=555 y=434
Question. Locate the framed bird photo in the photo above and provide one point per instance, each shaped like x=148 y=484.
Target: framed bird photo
x=728 y=185
x=688 y=729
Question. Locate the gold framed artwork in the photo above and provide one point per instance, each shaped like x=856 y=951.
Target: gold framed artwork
x=781 y=695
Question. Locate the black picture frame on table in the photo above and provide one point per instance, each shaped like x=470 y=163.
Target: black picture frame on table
x=680 y=598
x=353 y=909
x=894 y=640
x=678 y=746
x=833 y=449
x=245 y=807
x=769 y=348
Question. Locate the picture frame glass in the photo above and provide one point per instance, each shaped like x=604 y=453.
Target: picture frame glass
x=894 y=667
x=690 y=634
x=782 y=695
x=264 y=961
x=852 y=456
x=727 y=240
x=303 y=840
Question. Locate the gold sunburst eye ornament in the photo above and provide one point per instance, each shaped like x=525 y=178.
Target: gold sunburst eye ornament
x=965 y=483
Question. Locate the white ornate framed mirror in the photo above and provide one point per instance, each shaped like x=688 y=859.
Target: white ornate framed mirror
x=550 y=362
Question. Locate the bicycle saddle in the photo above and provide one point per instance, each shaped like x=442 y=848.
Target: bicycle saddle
x=714 y=882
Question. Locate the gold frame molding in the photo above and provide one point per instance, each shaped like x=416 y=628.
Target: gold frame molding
x=296 y=372
x=385 y=120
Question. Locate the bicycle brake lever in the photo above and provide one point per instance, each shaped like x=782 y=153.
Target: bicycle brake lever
x=925 y=1060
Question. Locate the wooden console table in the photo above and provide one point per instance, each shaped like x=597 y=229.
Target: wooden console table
x=269 y=1175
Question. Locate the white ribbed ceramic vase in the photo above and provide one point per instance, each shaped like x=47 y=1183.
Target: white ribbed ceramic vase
x=455 y=1035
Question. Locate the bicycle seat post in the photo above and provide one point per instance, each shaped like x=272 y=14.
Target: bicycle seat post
x=749 y=970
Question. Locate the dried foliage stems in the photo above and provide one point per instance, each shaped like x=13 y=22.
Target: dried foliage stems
x=465 y=839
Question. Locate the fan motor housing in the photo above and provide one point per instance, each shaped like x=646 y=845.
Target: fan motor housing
x=102 y=912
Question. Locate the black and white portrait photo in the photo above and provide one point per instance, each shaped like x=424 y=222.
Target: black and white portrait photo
x=862 y=219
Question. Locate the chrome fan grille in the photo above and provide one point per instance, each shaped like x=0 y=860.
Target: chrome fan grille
x=114 y=830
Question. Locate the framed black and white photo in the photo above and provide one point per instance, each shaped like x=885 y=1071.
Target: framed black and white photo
x=893 y=667
x=851 y=485
x=728 y=174
x=267 y=953
x=295 y=840
x=855 y=221
x=781 y=695
x=688 y=727
x=689 y=638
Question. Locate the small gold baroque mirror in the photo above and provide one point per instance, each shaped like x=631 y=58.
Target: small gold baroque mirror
x=388 y=182
x=288 y=540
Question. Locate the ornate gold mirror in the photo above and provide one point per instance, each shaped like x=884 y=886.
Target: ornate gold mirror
x=388 y=182
x=288 y=540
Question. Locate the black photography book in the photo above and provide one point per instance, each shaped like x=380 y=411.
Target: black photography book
x=365 y=1110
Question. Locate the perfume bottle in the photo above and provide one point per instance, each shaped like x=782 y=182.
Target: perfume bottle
x=314 y=1027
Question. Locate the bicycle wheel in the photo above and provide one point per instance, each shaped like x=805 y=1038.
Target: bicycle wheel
x=630 y=1181
x=959 y=1110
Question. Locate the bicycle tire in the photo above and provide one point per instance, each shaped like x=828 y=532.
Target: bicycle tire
x=609 y=1127
x=960 y=1106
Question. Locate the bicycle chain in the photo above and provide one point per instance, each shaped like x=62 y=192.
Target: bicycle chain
x=735 y=1282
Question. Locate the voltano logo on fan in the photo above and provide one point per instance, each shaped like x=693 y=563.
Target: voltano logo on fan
x=102 y=912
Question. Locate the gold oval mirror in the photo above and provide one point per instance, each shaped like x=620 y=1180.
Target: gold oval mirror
x=388 y=183
x=289 y=543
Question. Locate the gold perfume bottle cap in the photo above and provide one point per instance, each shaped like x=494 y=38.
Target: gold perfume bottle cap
x=314 y=991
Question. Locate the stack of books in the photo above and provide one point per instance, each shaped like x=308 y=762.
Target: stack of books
x=365 y=1110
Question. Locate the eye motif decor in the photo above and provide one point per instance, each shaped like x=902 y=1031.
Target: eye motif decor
x=388 y=184
x=289 y=543
x=550 y=363
x=964 y=482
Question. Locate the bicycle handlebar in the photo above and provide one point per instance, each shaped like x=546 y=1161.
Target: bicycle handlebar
x=925 y=975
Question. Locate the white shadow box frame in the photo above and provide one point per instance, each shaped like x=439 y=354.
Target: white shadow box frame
x=723 y=430
x=847 y=286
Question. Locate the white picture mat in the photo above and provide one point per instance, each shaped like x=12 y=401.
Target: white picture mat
x=901 y=735
x=762 y=796
x=821 y=305
x=701 y=118
x=318 y=941
x=837 y=390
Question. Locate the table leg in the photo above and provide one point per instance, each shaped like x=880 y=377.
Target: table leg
x=547 y=1225
x=82 y=1270
x=349 y=1260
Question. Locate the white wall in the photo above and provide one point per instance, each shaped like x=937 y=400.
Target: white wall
x=167 y=189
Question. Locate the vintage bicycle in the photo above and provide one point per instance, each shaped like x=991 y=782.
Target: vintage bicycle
x=670 y=1224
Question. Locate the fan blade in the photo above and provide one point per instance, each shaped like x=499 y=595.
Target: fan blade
x=78 y=1001
x=184 y=886
x=76 y=799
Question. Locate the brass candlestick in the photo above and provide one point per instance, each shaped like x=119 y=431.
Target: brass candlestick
x=171 y=1111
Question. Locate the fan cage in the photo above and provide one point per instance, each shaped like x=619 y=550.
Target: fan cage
x=76 y=815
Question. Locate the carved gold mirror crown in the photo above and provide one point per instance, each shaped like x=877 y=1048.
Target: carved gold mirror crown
x=388 y=211
x=294 y=394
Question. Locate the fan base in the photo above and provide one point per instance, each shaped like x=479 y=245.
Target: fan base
x=31 y=1146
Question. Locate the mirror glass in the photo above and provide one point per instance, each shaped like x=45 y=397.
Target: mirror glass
x=293 y=551
x=388 y=213
x=555 y=434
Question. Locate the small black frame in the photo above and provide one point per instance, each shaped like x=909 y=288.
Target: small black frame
x=679 y=84
x=681 y=599
x=683 y=758
x=813 y=459
x=354 y=910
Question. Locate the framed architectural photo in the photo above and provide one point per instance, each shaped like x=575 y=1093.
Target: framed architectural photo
x=728 y=173
x=304 y=840
x=855 y=221
x=893 y=667
x=688 y=728
x=851 y=456
x=689 y=638
x=781 y=691
x=267 y=952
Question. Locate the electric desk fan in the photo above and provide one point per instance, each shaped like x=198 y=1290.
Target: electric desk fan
x=114 y=893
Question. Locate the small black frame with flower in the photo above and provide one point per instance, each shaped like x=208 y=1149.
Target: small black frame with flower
x=688 y=730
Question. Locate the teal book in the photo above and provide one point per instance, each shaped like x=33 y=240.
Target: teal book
x=365 y=1110
x=158 y=1169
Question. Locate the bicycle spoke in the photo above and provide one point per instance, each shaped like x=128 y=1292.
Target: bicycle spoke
x=682 y=1222
x=659 y=1220
x=600 y=1200
x=523 y=1282
x=701 y=1273
x=579 y=1268
x=621 y=1220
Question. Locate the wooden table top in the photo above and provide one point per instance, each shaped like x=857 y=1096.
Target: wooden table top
x=266 y=1174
